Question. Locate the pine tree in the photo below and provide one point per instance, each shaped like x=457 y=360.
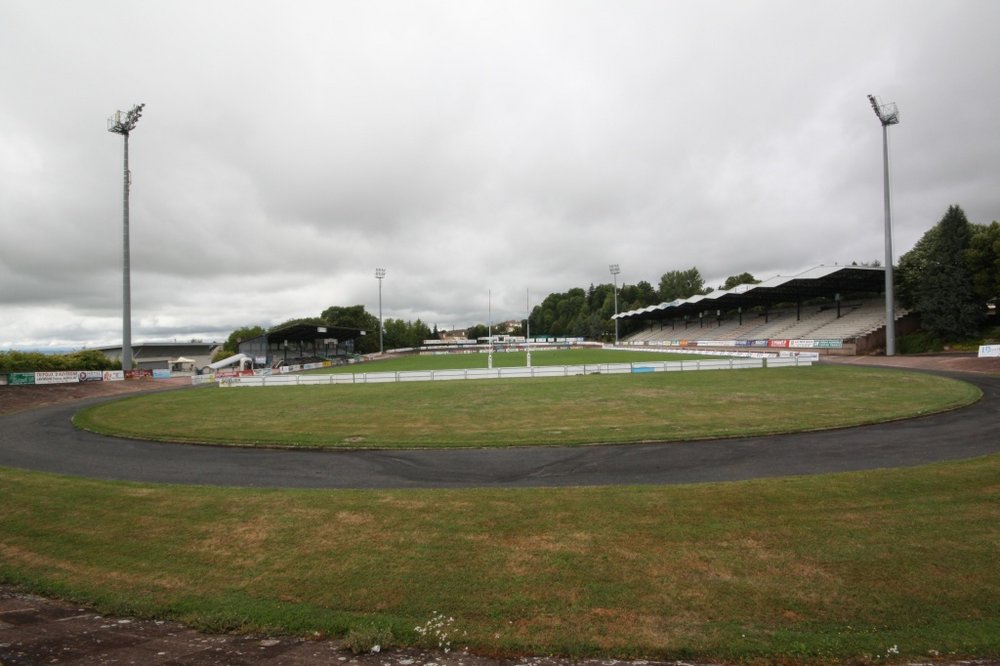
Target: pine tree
x=936 y=280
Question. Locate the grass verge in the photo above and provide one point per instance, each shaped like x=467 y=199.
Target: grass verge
x=850 y=566
x=563 y=411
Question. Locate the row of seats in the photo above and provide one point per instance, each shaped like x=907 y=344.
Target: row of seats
x=816 y=323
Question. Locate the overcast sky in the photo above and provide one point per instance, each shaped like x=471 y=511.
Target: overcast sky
x=288 y=149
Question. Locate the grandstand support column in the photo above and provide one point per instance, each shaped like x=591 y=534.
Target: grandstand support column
x=887 y=114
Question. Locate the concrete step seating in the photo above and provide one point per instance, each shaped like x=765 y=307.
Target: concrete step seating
x=856 y=319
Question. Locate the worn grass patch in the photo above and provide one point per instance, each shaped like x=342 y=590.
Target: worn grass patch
x=827 y=567
x=567 y=411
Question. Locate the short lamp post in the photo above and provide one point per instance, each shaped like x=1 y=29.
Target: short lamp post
x=615 y=270
x=887 y=114
x=379 y=274
x=123 y=123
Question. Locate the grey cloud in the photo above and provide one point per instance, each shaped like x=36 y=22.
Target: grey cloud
x=467 y=147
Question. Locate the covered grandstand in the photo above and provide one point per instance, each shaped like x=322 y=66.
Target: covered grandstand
x=839 y=309
x=300 y=343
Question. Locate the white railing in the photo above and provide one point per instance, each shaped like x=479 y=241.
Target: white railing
x=515 y=373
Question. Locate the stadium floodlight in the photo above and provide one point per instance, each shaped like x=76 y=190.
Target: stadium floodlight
x=123 y=123
x=615 y=270
x=379 y=274
x=527 y=323
x=887 y=114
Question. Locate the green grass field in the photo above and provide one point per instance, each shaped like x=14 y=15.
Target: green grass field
x=542 y=411
x=841 y=567
x=866 y=567
x=507 y=360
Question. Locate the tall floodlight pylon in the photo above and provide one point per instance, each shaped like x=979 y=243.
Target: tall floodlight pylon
x=615 y=270
x=887 y=114
x=527 y=323
x=379 y=274
x=123 y=123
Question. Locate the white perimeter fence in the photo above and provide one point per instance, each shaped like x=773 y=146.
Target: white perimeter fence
x=638 y=367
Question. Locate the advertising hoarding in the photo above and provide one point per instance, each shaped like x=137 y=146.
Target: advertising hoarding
x=58 y=377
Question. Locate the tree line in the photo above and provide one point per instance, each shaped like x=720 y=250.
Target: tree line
x=588 y=312
x=88 y=359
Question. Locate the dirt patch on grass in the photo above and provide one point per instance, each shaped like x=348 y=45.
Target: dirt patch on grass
x=19 y=398
x=950 y=362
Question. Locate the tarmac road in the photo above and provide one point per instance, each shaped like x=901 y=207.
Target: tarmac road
x=44 y=439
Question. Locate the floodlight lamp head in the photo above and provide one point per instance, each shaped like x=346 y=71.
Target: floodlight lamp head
x=888 y=114
x=123 y=123
x=615 y=269
x=379 y=273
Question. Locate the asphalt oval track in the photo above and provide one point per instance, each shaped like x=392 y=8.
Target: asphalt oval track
x=45 y=439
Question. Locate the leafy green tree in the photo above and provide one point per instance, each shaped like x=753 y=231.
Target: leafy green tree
x=681 y=284
x=418 y=332
x=913 y=266
x=983 y=259
x=394 y=334
x=232 y=344
x=737 y=280
x=88 y=359
x=635 y=296
x=477 y=331
x=401 y=334
x=355 y=316
x=935 y=280
x=301 y=321
x=559 y=314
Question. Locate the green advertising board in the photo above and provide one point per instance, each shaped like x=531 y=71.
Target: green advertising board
x=21 y=378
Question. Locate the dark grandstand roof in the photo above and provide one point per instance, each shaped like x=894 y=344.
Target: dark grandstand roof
x=822 y=281
x=312 y=332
